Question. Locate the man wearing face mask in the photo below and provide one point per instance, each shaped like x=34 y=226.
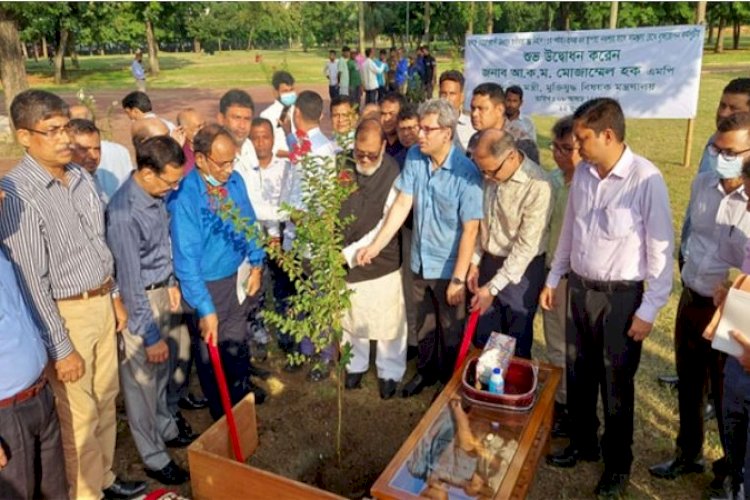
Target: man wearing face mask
x=207 y=254
x=378 y=311
x=283 y=87
x=719 y=231
x=509 y=259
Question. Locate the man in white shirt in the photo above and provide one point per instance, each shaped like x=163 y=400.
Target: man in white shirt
x=236 y=110
x=331 y=71
x=513 y=103
x=370 y=72
x=137 y=105
x=283 y=87
x=269 y=184
x=452 y=90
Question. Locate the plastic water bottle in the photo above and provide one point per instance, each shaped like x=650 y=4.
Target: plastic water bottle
x=497 y=383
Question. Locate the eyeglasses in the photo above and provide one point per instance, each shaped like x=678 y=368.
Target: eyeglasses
x=54 y=132
x=225 y=165
x=171 y=184
x=413 y=128
x=563 y=149
x=491 y=174
x=727 y=155
x=362 y=155
x=427 y=130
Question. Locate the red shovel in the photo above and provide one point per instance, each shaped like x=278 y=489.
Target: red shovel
x=225 y=403
x=471 y=326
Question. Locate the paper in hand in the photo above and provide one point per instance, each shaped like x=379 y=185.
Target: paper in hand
x=734 y=317
x=243 y=274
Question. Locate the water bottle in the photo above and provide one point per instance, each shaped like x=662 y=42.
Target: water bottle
x=497 y=384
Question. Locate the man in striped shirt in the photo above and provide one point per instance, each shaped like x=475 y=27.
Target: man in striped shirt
x=52 y=229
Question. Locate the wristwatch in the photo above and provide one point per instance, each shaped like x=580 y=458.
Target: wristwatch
x=494 y=291
x=457 y=281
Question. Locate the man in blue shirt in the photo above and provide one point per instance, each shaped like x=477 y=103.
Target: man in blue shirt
x=31 y=454
x=208 y=253
x=136 y=68
x=445 y=189
x=138 y=235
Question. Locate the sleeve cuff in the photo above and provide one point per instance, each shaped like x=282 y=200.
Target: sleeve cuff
x=476 y=258
x=152 y=336
x=62 y=349
x=205 y=308
x=552 y=280
x=349 y=255
x=647 y=313
x=500 y=281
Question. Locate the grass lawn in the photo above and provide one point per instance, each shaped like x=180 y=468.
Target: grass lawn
x=659 y=140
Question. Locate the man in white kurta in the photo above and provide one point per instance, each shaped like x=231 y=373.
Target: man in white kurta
x=377 y=301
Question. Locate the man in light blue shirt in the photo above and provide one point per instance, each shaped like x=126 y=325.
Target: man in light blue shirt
x=136 y=68
x=29 y=428
x=445 y=190
x=208 y=252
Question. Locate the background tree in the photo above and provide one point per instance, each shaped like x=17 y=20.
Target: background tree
x=12 y=64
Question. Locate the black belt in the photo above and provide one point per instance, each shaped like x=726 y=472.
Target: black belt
x=158 y=285
x=607 y=286
x=697 y=298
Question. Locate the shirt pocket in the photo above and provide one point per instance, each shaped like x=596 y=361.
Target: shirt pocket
x=732 y=246
x=618 y=223
x=446 y=207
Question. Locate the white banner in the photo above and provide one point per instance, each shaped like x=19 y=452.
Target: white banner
x=652 y=72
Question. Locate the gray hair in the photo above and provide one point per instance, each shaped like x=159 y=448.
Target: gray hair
x=446 y=115
x=501 y=145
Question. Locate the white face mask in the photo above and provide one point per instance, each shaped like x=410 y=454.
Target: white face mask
x=728 y=169
x=212 y=180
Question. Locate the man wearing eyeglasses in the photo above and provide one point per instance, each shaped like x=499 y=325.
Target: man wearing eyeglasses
x=507 y=268
x=566 y=156
x=52 y=229
x=138 y=235
x=208 y=252
x=716 y=243
x=445 y=189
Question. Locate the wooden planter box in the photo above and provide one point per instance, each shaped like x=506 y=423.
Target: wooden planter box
x=215 y=474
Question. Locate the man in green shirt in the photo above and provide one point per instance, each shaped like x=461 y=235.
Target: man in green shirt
x=355 y=80
x=566 y=156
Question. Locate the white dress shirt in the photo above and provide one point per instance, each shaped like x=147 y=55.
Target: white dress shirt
x=525 y=123
x=619 y=229
x=720 y=226
x=464 y=130
x=114 y=168
x=272 y=113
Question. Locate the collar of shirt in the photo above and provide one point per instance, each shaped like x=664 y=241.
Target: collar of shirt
x=138 y=196
x=38 y=175
x=447 y=164
x=622 y=168
x=521 y=174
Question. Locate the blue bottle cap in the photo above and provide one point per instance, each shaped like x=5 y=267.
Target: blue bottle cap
x=497 y=371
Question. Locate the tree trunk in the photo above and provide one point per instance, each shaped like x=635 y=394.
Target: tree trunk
x=700 y=12
x=24 y=51
x=62 y=46
x=361 y=27
x=36 y=51
x=490 y=19
x=426 y=37
x=12 y=65
x=736 y=34
x=613 y=15
x=548 y=16
x=719 y=47
x=196 y=45
x=44 y=48
x=563 y=17
x=710 y=34
x=470 y=26
x=153 y=57
x=219 y=44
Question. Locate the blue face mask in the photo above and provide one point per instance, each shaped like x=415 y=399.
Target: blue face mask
x=212 y=180
x=728 y=169
x=288 y=98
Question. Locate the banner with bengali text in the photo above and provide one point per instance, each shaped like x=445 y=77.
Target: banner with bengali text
x=652 y=72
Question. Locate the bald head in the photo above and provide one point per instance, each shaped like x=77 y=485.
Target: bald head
x=191 y=122
x=494 y=142
x=496 y=155
x=79 y=111
x=144 y=129
x=371 y=111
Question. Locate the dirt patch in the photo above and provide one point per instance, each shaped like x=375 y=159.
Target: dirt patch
x=297 y=432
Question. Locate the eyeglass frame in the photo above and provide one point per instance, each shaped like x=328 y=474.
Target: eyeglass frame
x=54 y=132
x=491 y=175
x=223 y=166
x=714 y=151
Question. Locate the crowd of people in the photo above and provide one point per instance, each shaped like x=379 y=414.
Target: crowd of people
x=121 y=278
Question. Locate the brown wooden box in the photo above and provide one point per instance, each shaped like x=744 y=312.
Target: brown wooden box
x=215 y=474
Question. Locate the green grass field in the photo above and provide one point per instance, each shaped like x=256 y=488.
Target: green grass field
x=659 y=140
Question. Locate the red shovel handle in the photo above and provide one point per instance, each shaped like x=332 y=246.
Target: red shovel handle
x=471 y=326
x=225 y=403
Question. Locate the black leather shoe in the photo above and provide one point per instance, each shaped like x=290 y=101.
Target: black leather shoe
x=171 y=474
x=260 y=394
x=676 y=468
x=192 y=402
x=255 y=371
x=612 y=485
x=183 y=427
x=387 y=388
x=560 y=422
x=124 y=489
x=416 y=385
x=353 y=380
x=569 y=457
x=181 y=441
